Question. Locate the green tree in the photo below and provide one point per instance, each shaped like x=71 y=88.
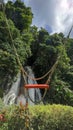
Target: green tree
x=47 y=49
x=19 y=14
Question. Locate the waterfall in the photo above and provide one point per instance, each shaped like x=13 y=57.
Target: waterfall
x=16 y=93
x=33 y=93
x=10 y=97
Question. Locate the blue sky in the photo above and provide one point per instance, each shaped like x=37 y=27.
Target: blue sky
x=54 y=15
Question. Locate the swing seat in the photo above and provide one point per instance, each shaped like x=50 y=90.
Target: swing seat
x=42 y=86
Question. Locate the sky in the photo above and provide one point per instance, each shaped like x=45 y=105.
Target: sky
x=53 y=15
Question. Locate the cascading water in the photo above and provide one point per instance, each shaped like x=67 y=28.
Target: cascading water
x=34 y=94
x=10 y=97
x=16 y=94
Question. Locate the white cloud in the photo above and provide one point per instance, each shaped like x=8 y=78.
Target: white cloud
x=64 y=17
x=5 y=1
x=57 y=14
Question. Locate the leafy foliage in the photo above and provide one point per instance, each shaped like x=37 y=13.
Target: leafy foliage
x=36 y=48
x=19 y=14
x=51 y=117
x=45 y=50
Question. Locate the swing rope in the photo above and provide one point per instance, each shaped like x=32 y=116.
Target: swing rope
x=24 y=73
x=15 y=51
x=17 y=56
x=48 y=81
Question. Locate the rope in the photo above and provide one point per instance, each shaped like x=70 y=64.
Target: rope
x=36 y=102
x=17 y=56
x=53 y=69
x=21 y=67
x=15 y=51
x=48 y=80
x=70 y=31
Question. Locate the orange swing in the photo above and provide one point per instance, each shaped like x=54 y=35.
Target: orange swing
x=41 y=86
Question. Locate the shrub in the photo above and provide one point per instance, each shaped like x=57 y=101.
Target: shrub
x=16 y=118
x=52 y=117
x=39 y=117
